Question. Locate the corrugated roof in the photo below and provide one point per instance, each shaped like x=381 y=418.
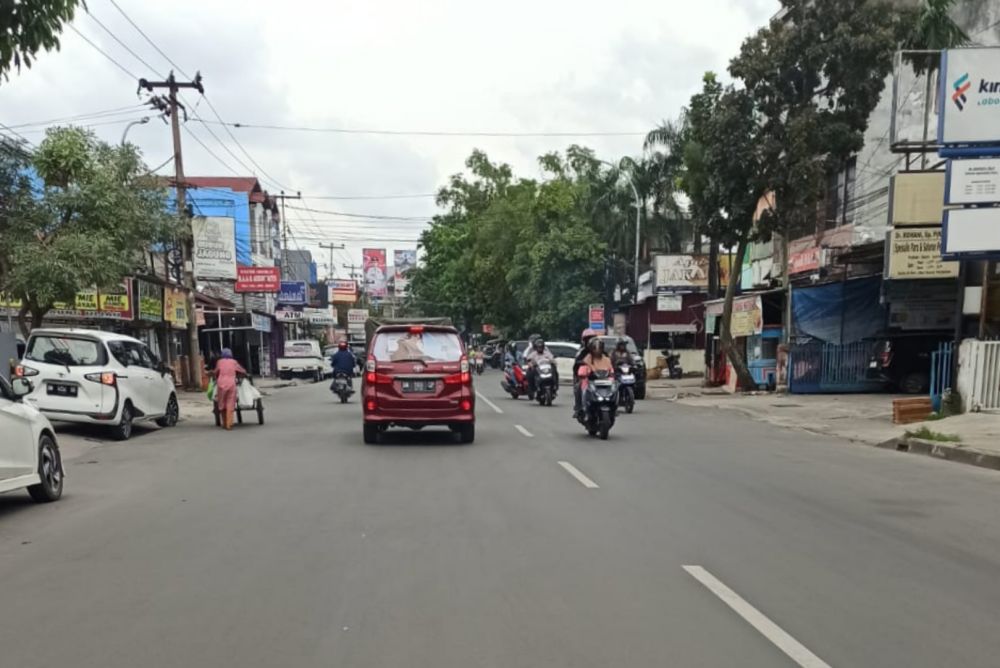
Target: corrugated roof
x=242 y=184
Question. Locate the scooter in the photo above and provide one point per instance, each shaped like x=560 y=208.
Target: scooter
x=600 y=402
x=515 y=382
x=626 y=386
x=341 y=387
x=673 y=365
x=545 y=384
x=480 y=366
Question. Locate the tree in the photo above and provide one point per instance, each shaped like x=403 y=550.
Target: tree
x=78 y=214
x=28 y=26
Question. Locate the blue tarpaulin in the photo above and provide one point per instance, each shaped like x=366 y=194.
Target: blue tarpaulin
x=842 y=312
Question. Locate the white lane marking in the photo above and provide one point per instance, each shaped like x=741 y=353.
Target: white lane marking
x=489 y=403
x=524 y=431
x=576 y=473
x=786 y=643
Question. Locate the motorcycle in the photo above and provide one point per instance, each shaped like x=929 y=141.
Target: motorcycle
x=545 y=384
x=480 y=366
x=515 y=382
x=341 y=387
x=673 y=365
x=626 y=386
x=600 y=402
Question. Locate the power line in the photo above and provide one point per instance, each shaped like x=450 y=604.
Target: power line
x=426 y=133
x=208 y=150
x=103 y=53
x=151 y=42
x=372 y=197
x=116 y=121
x=79 y=117
x=358 y=215
x=123 y=44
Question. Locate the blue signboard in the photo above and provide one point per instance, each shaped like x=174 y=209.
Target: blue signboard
x=293 y=293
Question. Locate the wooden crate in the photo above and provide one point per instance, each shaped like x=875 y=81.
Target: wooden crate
x=905 y=411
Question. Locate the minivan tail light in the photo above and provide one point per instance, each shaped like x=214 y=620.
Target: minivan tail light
x=458 y=379
x=465 y=364
x=370 y=364
x=104 y=378
x=25 y=371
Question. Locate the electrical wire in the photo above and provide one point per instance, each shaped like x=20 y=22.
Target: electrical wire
x=425 y=133
x=372 y=197
x=147 y=38
x=103 y=53
x=117 y=121
x=80 y=117
x=208 y=150
x=358 y=215
x=123 y=44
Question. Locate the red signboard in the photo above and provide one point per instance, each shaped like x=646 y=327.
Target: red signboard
x=258 y=279
x=807 y=260
x=487 y=329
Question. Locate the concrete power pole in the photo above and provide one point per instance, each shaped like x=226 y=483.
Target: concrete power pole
x=171 y=108
x=331 y=248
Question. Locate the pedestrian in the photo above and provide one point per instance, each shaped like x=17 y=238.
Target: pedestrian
x=225 y=372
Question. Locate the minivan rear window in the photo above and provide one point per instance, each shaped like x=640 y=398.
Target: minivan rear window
x=65 y=351
x=412 y=346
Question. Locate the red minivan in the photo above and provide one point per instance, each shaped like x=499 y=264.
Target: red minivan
x=416 y=376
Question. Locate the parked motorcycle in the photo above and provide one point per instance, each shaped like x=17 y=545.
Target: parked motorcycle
x=341 y=386
x=545 y=384
x=600 y=402
x=673 y=364
x=515 y=382
x=626 y=386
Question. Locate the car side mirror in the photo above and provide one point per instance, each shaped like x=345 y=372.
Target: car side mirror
x=21 y=387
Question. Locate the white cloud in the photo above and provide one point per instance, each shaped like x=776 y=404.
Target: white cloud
x=454 y=65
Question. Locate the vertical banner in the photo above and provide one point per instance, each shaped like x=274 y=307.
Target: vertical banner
x=375 y=271
x=214 y=247
x=404 y=260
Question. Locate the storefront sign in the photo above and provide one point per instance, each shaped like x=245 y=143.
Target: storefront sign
x=973 y=181
x=970 y=96
x=261 y=323
x=971 y=234
x=356 y=319
x=916 y=198
x=748 y=316
x=258 y=279
x=810 y=259
x=343 y=292
x=669 y=303
x=319 y=317
x=293 y=293
x=214 y=247
x=150 y=301
x=915 y=252
x=287 y=315
x=681 y=272
x=175 y=308
x=597 y=317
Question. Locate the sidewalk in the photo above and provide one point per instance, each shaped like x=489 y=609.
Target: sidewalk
x=862 y=418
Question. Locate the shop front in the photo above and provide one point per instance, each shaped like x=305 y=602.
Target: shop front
x=756 y=330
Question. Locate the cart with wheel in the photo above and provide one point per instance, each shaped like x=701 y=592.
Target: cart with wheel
x=248 y=398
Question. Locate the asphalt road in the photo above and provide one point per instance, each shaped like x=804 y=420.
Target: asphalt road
x=690 y=538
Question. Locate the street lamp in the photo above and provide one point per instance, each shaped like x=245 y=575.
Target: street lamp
x=141 y=121
x=635 y=193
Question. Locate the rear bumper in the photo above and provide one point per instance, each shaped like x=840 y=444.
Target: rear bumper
x=82 y=418
x=422 y=417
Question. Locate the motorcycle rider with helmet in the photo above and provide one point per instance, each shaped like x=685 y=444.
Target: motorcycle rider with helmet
x=585 y=338
x=621 y=355
x=343 y=361
x=538 y=352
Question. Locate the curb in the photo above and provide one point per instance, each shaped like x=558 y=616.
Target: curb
x=948 y=451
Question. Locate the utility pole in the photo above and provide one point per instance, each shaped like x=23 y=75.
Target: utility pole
x=331 y=248
x=284 y=230
x=171 y=107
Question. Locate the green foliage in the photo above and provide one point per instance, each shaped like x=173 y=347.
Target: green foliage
x=927 y=434
x=28 y=26
x=85 y=223
x=933 y=30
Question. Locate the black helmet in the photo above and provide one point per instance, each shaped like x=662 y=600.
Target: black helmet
x=622 y=342
x=539 y=344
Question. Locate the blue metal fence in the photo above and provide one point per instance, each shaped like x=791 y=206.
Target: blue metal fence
x=941 y=365
x=815 y=368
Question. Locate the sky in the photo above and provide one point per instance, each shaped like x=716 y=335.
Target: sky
x=452 y=66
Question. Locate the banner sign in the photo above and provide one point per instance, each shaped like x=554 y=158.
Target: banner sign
x=261 y=323
x=915 y=252
x=356 y=319
x=971 y=234
x=150 y=301
x=972 y=181
x=343 y=291
x=316 y=316
x=214 y=247
x=293 y=293
x=175 y=308
x=681 y=272
x=811 y=259
x=970 y=96
x=114 y=304
x=748 y=317
x=287 y=315
x=258 y=279
x=375 y=271
x=404 y=261
x=669 y=303
x=597 y=317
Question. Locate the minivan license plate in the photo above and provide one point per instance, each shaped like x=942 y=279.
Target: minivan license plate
x=418 y=385
x=59 y=390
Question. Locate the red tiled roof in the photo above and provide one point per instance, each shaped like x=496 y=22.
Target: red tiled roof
x=242 y=184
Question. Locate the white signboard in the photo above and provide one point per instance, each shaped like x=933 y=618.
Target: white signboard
x=970 y=96
x=214 y=247
x=318 y=316
x=356 y=319
x=973 y=181
x=971 y=232
x=669 y=303
x=288 y=316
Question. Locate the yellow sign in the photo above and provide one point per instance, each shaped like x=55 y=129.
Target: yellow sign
x=175 y=308
x=915 y=252
x=86 y=301
x=117 y=303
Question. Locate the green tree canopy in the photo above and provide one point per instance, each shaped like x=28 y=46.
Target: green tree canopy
x=29 y=26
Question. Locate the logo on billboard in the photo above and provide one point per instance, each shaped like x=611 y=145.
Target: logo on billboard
x=961 y=85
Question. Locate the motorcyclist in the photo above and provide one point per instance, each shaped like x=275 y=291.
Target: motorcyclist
x=533 y=356
x=596 y=360
x=621 y=355
x=585 y=338
x=343 y=361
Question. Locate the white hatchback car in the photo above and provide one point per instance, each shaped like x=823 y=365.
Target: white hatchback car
x=565 y=354
x=95 y=377
x=29 y=454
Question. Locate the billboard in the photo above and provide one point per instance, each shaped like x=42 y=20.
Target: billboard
x=970 y=96
x=373 y=261
x=258 y=279
x=343 y=291
x=293 y=293
x=685 y=273
x=915 y=252
x=356 y=319
x=214 y=247
x=404 y=261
